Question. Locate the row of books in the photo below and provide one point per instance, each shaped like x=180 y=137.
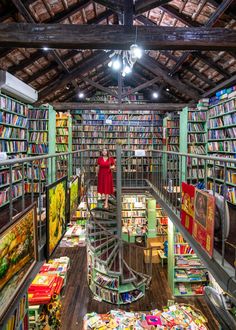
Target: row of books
x=36 y=173
x=13 y=146
x=133 y=205
x=62 y=131
x=196 y=127
x=173 y=148
x=227 y=133
x=111 y=282
x=133 y=213
x=190 y=274
x=223 y=108
x=62 y=139
x=108 y=295
x=131 y=296
x=62 y=123
x=187 y=261
x=5 y=176
x=35 y=187
x=135 y=221
x=9 y=104
x=16 y=192
x=220 y=188
x=38 y=148
x=61 y=148
x=196 y=138
x=35 y=114
x=174 y=140
x=15 y=120
x=120 y=128
x=197 y=115
x=173 y=131
x=194 y=173
x=183 y=249
x=229 y=156
x=40 y=125
x=36 y=137
x=196 y=149
x=224 y=146
x=19 y=319
x=12 y=133
x=218 y=173
x=222 y=121
x=190 y=289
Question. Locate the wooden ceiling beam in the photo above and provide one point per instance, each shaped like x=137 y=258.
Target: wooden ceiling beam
x=212 y=20
x=114 y=106
x=70 y=36
x=155 y=68
x=227 y=83
x=27 y=61
x=143 y=6
x=87 y=65
x=128 y=12
x=141 y=87
x=115 y=5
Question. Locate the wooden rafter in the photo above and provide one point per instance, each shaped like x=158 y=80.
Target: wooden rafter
x=115 y=5
x=115 y=37
x=143 y=6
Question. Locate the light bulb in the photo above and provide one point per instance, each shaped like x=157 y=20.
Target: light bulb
x=81 y=95
x=116 y=64
x=45 y=48
x=110 y=64
x=167 y=89
x=127 y=69
x=155 y=95
x=136 y=51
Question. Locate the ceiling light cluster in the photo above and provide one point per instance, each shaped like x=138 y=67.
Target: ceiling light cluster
x=124 y=60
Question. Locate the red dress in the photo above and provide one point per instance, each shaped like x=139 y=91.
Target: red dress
x=105 y=178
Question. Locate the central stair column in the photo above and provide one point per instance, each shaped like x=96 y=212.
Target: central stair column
x=119 y=202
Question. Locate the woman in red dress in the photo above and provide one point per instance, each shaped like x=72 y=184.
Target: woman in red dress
x=105 y=165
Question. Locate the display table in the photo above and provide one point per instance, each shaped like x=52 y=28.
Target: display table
x=176 y=316
x=162 y=257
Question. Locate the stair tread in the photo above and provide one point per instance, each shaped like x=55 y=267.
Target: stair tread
x=105 y=254
x=115 y=265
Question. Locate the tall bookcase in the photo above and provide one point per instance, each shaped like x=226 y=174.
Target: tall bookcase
x=171 y=143
x=136 y=130
x=222 y=143
x=64 y=142
x=193 y=140
x=41 y=141
x=13 y=141
x=187 y=276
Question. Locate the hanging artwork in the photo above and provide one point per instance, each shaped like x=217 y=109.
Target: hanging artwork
x=18 y=255
x=56 y=213
x=204 y=215
x=74 y=196
x=187 y=206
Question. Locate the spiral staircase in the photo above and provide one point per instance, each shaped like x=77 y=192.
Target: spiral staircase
x=111 y=255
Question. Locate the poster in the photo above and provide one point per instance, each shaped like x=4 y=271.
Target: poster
x=187 y=206
x=204 y=216
x=74 y=196
x=56 y=213
x=18 y=255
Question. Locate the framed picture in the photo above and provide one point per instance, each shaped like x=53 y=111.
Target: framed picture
x=74 y=196
x=18 y=256
x=56 y=213
x=204 y=218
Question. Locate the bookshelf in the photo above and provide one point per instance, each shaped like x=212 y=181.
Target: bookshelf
x=108 y=287
x=41 y=141
x=222 y=143
x=171 y=143
x=162 y=222
x=13 y=141
x=134 y=216
x=187 y=276
x=19 y=320
x=193 y=140
x=64 y=142
x=136 y=130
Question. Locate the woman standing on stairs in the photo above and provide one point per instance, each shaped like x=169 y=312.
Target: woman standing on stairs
x=105 y=165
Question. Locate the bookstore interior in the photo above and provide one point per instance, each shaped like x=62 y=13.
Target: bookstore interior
x=117 y=165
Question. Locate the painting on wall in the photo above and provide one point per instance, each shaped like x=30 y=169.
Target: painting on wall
x=74 y=196
x=204 y=218
x=56 y=213
x=18 y=255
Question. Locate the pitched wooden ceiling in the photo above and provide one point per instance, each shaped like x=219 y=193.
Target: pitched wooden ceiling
x=179 y=75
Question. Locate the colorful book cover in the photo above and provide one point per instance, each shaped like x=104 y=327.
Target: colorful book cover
x=187 y=206
x=204 y=216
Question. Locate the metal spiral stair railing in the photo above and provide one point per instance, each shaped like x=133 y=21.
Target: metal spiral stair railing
x=108 y=248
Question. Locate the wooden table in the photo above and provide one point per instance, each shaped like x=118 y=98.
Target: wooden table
x=162 y=257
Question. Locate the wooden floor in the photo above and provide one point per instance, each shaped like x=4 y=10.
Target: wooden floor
x=77 y=299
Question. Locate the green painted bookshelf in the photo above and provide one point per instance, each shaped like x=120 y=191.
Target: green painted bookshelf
x=222 y=143
x=13 y=141
x=41 y=142
x=193 y=140
x=186 y=274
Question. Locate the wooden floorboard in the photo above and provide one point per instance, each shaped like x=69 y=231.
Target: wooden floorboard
x=78 y=300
